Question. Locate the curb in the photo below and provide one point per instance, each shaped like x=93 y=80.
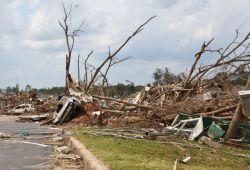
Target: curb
x=89 y=160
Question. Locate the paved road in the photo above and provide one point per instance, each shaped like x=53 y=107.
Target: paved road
x=28 y=151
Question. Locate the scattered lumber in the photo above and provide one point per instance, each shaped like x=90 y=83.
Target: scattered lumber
x=127 y=103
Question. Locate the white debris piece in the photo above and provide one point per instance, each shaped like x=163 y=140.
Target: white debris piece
x=63 y=149
x=186 y=159
x=56 y=139
x=97 y=113
x=3 y=135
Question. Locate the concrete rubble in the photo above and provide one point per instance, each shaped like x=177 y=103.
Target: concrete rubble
x=63 y=149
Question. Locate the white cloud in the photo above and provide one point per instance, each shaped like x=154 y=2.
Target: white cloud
x=30 y=37
x=204 y=33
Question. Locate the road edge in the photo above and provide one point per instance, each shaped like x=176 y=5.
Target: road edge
x=89 y=160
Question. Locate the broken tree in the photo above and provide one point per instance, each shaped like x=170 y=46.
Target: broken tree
x=70 y=40
x=111 y=57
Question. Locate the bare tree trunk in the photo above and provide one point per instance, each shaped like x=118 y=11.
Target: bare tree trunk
x=85 y=78
x=78 y=65
x=70 y=41
x=66 y=90
x=237 y=118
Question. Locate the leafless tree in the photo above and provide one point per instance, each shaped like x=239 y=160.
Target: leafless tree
x=112 y=55
x=235 y=54
x=70 y=36
x=111 y=63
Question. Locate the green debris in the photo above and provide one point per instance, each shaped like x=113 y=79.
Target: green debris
x=215 y=131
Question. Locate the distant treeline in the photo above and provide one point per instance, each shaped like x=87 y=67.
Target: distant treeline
x=160 y=76
x=118 y=91
x=122 y=90
x=52 y=90
x=238 y=77
x=16 y=89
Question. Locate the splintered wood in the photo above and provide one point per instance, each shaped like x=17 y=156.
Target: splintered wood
x=203 y=90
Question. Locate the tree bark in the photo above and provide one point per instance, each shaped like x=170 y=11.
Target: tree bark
x=222 y=110
x=78 y=66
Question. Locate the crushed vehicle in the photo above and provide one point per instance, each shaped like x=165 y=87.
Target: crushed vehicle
x=67 y=109
x=22 y=108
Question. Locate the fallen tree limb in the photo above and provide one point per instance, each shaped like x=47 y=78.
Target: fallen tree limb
x=175 y=164
x=170 y=117
x=225 y=109
x=223 y=118
x=113 y=111
x=224 y=114
x=227 y=118
x=127 y=103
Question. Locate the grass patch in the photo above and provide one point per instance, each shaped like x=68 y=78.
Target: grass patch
x=123 y=154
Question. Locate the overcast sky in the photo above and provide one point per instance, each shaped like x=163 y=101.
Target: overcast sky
x=33 y=48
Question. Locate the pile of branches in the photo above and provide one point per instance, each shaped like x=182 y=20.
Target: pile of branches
x=203 y=90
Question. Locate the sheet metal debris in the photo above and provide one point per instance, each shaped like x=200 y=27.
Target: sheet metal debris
x=191 y=124
x=215 y=131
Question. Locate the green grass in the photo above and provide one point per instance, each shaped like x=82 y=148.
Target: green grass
x=124 y=154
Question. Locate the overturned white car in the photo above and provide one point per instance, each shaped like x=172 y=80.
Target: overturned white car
x=22 y=108
x=67 y=109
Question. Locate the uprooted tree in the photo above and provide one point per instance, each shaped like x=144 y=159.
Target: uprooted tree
x=225 y=64
x=167 y=98
x=227 y=60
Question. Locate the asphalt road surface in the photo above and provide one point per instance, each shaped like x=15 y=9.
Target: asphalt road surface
x=26 y=149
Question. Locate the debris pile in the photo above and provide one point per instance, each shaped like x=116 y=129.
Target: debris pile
x=22 y=103
x=155 y=106
x=204 y=89
x=159 y=104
